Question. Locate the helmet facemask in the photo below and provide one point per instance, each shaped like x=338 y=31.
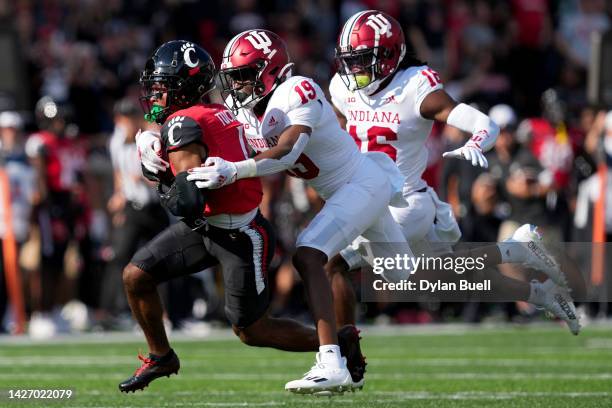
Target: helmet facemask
x=235 y=80
x=180 y=94
x=154 y=88
x=362 y=69
x=359 y=69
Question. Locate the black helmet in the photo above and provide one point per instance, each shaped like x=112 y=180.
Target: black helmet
x=186 y=70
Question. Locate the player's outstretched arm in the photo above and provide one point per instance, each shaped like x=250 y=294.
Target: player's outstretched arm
x=217 y=172
x=283 y=156
x=439 y=106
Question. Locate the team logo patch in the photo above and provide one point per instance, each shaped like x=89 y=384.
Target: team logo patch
x=187 y=49
x=380 y=25
x=175 y=122
x=390 y=99
x=261 y=41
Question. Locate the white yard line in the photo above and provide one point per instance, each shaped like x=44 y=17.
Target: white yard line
x=372 y=376
x=375 y=363
x=407 y=330
x=386 y=397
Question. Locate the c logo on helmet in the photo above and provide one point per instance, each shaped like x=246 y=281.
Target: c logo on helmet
x=176 y=122
x=261 y=41
x=187 y=49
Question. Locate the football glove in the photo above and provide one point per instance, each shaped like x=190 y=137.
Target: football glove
x=471 y=151
x=215 y=173
x=149 y=148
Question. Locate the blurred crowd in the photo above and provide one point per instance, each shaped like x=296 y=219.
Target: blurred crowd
x=80 y=207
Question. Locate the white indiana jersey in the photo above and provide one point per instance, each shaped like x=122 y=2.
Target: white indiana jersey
x=330 y=158
x=390 y=121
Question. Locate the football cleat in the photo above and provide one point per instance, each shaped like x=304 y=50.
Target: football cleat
x=557 y=301
x=348 y=340
x=323 y=380
x=536 y=255
x=151 y=369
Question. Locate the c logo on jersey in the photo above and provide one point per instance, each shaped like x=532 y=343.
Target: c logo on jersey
x=187 y=49
x=380 y=25
x=176 y=122
x=261 y=41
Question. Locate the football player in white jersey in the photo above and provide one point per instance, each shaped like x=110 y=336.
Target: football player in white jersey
x=292 y=127
x=388 y=100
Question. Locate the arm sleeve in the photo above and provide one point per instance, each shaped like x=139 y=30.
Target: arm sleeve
x=270 y=166
x=179 y=131
x=484 y=131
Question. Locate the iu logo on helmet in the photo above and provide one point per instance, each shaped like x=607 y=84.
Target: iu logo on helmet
x=187 y=49
x=380 y=25
x=261 y=41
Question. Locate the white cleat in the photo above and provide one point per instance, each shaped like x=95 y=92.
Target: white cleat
x=536 y=255
x=323 y=380
x=557 y=301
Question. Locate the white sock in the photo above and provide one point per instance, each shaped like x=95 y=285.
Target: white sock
x=330 y=354
x=511 y=252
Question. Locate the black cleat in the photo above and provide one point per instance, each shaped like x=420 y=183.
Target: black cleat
x=152 y=368
x=348 y=339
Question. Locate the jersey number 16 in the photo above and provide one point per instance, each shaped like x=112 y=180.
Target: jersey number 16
x=376 y=139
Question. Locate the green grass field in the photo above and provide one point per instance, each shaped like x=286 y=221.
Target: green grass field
x=434 y=367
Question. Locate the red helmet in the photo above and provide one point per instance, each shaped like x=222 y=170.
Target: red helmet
x=370 y=47
x=255 y=57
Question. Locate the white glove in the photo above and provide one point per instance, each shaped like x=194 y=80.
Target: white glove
x=215 y=173
x=470 y=151
x=149 y=148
